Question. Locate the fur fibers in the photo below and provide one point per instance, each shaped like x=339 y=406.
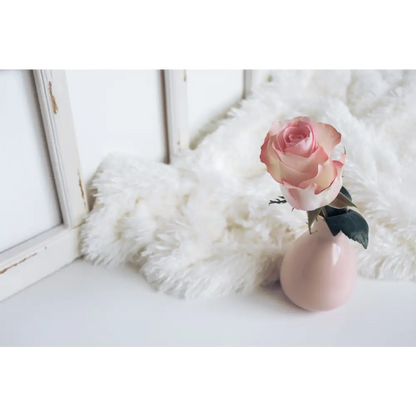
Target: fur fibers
x=202 y=226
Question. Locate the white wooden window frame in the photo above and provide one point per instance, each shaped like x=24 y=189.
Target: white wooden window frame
x=26 y=263
x=176 y=99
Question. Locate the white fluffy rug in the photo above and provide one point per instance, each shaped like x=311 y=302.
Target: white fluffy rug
x=202 y=226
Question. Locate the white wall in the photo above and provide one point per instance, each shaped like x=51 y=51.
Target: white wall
x=28 y=201
x=211 y=94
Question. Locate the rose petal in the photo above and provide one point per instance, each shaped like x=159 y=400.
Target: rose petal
x=270 y=158
x=302 y=148
x=294 y=177
x=305 y=164
x=306 y=198
x=324 y=177
x=302 y=131
x=326 y=136
x=278 y=142
x=330 y=193
x=300 y=126
x=264 y=157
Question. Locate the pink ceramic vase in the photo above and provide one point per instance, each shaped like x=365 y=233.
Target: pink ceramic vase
x=318 y=272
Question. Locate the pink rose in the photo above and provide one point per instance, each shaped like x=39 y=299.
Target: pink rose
x=298 y=155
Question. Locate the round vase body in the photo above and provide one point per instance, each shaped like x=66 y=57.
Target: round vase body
x=318 y=271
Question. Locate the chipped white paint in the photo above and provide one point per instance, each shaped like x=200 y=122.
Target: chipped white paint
x=176 y=110
x=61 y=139
x=29 y=262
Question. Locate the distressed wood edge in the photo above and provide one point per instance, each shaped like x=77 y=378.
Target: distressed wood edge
x=30 y=262
x=176 y=106
x=60 y=134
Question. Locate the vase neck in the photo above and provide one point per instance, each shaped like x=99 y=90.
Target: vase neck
x=321 y=229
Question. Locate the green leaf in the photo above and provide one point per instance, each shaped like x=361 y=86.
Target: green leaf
x=346 y=193
x=352 y=224
x=341 y=201
x=312 y=217
x=338 y=211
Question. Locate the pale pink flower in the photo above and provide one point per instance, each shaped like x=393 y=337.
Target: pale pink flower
x=298 y=154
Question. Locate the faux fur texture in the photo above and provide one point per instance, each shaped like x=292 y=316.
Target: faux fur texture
x=202 y=226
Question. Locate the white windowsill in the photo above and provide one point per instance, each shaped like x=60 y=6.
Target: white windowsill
x=84 y=305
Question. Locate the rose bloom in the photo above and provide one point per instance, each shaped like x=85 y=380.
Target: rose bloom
x=298 y=155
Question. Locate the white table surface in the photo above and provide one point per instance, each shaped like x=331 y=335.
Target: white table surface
x=85 y=305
